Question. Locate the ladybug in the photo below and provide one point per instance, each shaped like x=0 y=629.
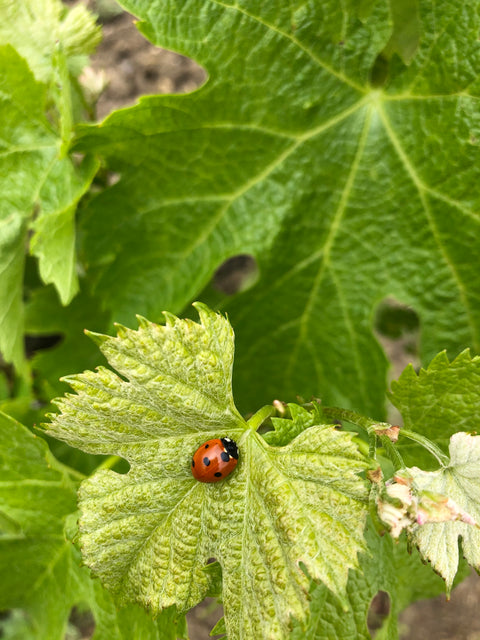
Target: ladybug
x=214 y=460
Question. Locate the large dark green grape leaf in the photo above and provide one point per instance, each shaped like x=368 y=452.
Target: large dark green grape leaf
x=344 y=194
x=149 y=533
x=39 y=565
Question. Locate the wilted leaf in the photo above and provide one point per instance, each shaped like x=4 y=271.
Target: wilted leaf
x=460 y=481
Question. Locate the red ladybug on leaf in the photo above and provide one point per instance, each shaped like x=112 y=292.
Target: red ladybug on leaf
x=214 y=460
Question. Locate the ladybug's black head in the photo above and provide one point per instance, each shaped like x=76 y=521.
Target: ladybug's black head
x=230 y=447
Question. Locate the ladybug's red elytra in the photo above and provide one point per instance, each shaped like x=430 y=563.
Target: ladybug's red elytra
x=214 y=460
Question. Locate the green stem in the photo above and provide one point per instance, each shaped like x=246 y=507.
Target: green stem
x=262 y=414
x=362 y=446
x=350 y=416
x=392 y=452
x=427 y=444
x=63 y=99
x=108 y=463
x=369 y=425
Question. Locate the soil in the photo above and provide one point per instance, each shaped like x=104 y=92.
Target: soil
x=133 y=67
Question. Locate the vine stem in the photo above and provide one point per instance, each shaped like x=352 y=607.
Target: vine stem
x=108 y=463
x=374 y=429
x=369 y=425
x=260 y=416
x=352 y=416
x=430 y=446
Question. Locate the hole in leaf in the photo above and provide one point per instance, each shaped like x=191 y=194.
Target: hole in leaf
x=397 y=328
x=81 y=623
x=41 y=342
x=394 y=320
x=16 y=624
x=203 y=618
x=112 y=178
x=378 y=612
x=236 y=274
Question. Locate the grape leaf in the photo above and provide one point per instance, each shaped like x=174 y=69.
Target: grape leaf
x=37 y=28
x=35 y=182
x=45 y=316
x=39 y=565
x=385 y=566
x=460 y=481
x=344 y=194
x=437 y=402
x=149 y=533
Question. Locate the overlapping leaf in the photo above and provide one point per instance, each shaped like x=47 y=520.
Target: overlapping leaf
x=385 y=567
x=35 y=180
x=460 y=481
x=38 y=29
x=149 y=533
x=344 y=194
x=440 y=400
x=40 y=567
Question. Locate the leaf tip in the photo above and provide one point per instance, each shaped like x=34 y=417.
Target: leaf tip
x=143 y=323
x=122 y=331
x=97 y=338
x=170 y=318
x=204 y=312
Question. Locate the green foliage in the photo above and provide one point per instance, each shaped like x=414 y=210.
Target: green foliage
x=35 y=180
x=385 y=567
x=38 y=29
x=336 y=144
x=438 y=401
x=344 y=194
x=39 y=565
x=148 y=534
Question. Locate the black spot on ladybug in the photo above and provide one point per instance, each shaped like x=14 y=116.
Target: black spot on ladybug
x=206 y=461
x=224 y=456
x=218 y=474
x=206 y=446
x=193 y=462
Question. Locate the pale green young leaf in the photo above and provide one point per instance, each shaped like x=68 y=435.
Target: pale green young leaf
x=149 y=533
x=37 y=28
x=39 y=565
x=437 y=402
x=35 y=183
x=438 y=542
x=286 y=429
x=344 y=194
